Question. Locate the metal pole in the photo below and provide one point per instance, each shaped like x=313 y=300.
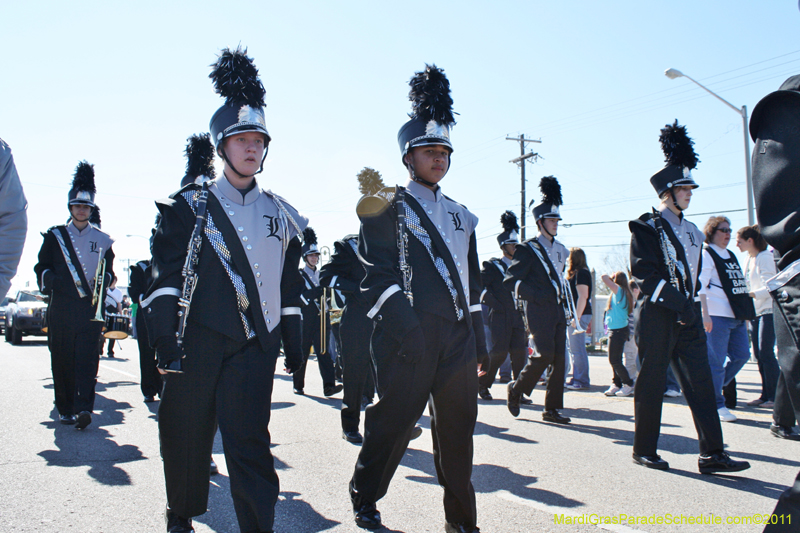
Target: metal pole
x=522 y=185
x=749 y=170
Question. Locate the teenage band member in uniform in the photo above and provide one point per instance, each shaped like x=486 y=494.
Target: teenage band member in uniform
x=343 y=274
x=775 y=129
x=505 y=321
x=312 y=305
x=666 y=257
x=220 y=341
x=536 y=275
x=150 y=382
x=423 y=288
x=69 y=263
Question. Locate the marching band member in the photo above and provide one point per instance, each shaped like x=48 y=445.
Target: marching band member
x=428 y=331
x=70 y=261
x=536 y=275
x=666 y=257
x=225 y=293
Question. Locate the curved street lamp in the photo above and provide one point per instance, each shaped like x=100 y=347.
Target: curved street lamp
x=672 y=74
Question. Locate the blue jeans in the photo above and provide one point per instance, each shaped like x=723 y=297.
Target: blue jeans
x=580 y=359
x=727 y=340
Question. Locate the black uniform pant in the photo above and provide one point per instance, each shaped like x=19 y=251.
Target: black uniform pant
x=231 y=383
x=311 y=337
x=355 y=331
x=445 y=375
x=72 y=339
x=506 y=339
x=549 y=327
x=663 y=342
x=151 y=379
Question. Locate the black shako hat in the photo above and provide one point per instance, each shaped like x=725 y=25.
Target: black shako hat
x=83 y=189
x=431 y=111
x=789 y=90
x=199 y=160
x=236 y=79
x=680 y=157
x=309 y=242
x=510 y=227
x=551 y=199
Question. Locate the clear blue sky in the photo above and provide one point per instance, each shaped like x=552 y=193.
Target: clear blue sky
x=123 y=86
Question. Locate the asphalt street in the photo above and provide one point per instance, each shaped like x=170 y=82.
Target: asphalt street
x=529 y=475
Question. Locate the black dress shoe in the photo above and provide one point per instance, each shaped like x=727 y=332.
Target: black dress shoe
x=84 y=419
x=178 y=524
x=782 y=432
x=450 y=527
x=367 y=515
x=484 y=393
x=513 y=400
x=67 y=420
x=213 y=469
x=651 y=461
x=416 y=432
x=524 y=400
x=299 y=392
x=330 y=390
x=353 y=437
x=720 y=462
x=149 y=399
x=552 y=415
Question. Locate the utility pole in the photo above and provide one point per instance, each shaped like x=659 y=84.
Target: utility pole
x=521 y=162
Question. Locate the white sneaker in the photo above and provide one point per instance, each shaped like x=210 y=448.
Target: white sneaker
x=612 y=390
x=625 y=391
x=673 y=393
x=725 y=415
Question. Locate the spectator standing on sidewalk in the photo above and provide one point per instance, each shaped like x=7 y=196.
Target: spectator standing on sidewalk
x=580 y=279
x=620 y=306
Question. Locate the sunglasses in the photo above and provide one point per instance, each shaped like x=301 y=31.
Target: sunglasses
x=724 y=230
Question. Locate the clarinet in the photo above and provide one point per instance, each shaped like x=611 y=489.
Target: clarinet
x=402 y=244
x=665 y=244
x=190 y=265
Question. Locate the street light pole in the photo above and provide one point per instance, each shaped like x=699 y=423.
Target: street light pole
x=672 y=73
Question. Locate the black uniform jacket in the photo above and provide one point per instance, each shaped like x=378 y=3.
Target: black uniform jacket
x=496 y=296
x=140 y=282
x=649 y=267
x=57 y=280
x=344 y=272
x=215 y=300
x=528 y=279
x=377 y=248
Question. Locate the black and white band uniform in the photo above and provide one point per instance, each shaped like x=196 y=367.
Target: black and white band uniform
x=425 y=352
x=344 y=273
x=66 y=270
x=536 y=275
x=246 y=302
x=666 y=257
x=150 y=384
x=505 y=321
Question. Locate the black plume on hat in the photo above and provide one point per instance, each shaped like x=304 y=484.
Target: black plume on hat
x=309 y=236
x=509 y=221
x=199 y=158
x=83 y=180
x=430 y=96
x=236 y=79
x=677 y=146
x=370 y=181
x=551 y=191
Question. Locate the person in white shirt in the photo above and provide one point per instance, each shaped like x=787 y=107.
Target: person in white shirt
x=729 y=306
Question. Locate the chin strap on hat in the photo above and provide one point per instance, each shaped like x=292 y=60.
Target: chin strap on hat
x=225 y=158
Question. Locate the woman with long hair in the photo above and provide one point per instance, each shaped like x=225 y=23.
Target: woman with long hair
x=620 y=306
x=580 y=281
x=760 y=266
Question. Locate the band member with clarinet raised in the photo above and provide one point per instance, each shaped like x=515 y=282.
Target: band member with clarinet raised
x=505 y=321
x=225 y=294
x=666 y=257
x=536 y=276
x=316 y=321
x=423 y=288
x=75 y=266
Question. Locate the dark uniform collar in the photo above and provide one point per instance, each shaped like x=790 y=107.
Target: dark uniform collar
x=424 y=193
